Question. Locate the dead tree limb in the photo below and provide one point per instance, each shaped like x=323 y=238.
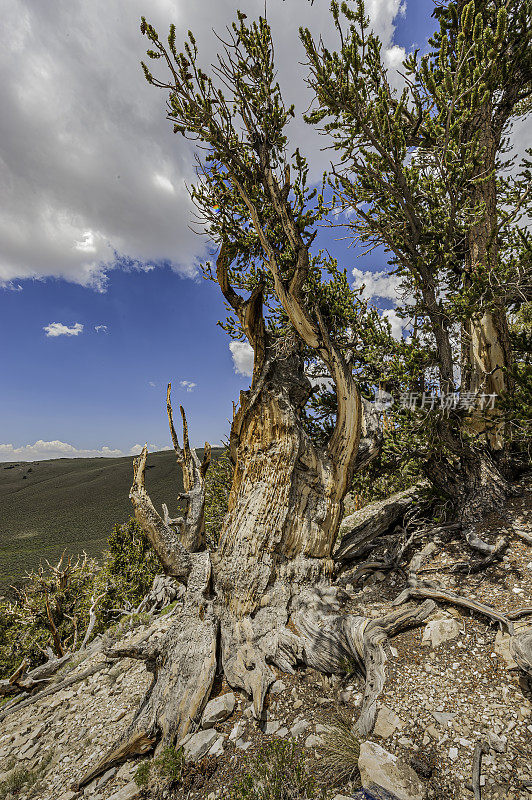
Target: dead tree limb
x=173 y=556
x=481 y=748
x=92 y=621
x=192 y=526
x=520 y=640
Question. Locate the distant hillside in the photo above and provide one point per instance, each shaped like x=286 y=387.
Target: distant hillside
x=72 y=503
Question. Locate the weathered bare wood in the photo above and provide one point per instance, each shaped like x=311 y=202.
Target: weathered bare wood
x=478 y=564
x=387 y=562
x=192 y=526
x=52 y=690
x=174 y=558
x=339 y=643
x=481 y=748
x=183 y=663
x=92 y=621
x=521 y=650
x=371 y=436
x=371 y=521
x=445 y=596
x=522 y=612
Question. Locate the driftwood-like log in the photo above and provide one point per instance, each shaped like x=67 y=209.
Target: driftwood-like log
x=365 y=525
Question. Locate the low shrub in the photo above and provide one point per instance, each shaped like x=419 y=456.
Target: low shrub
x=340 y=753
x=276 y=772
x=23 y=778
x=217 y=487
x=49 y=610
x=169 y=770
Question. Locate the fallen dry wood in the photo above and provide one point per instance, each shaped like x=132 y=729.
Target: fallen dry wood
x=481 y=748
x=365 y=525
x=53 y=689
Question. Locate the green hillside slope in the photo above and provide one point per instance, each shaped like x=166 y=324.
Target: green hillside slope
x=72 y=503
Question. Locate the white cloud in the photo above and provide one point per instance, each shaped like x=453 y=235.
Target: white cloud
x=101 y=328
x=41 y=451
x=58 y=329
x=164 y=183
x=98 y=173
x=152 y=384
x=188 y=386
x=242 y=353
x=377 y=284
x=397 y=324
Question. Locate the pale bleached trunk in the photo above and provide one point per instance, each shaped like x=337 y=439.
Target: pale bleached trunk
x=489 y=357
x=285 y=501
x=487 y=350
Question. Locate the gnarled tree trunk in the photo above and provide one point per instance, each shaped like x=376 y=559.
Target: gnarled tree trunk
x=273 y=564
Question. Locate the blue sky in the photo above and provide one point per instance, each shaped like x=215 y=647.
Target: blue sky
x=81 y=193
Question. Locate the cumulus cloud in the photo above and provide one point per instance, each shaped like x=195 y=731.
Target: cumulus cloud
x=188 y=386
x=101 y=328
x=41 y=451
x=58 y=329
x=96 y=178
x=242 y=353
x=396 y=323
x=377 y=284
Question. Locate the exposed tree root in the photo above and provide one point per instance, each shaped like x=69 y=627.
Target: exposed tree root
x=479 y=564
x=520 y=641
x=304 y=626
x=183 y=663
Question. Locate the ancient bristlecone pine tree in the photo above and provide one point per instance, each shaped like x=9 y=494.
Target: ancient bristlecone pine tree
x=264 y=601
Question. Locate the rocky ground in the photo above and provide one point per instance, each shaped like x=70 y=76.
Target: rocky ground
x=449 y=684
